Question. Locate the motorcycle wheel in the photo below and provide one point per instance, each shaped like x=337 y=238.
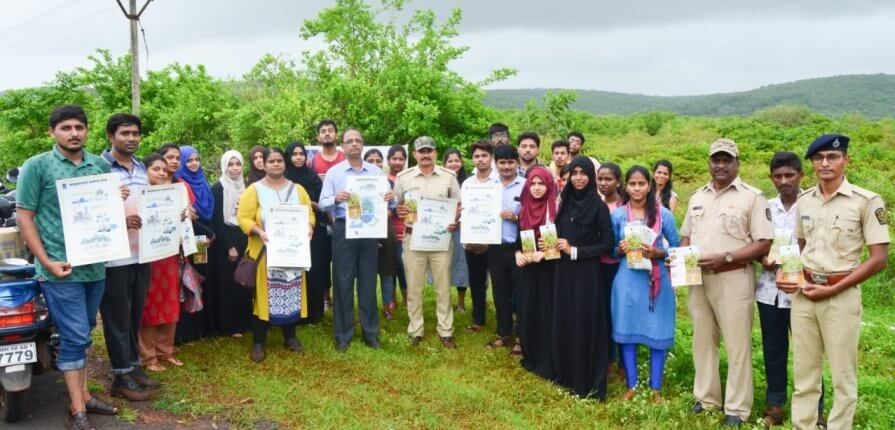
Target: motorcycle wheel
x=13 y=403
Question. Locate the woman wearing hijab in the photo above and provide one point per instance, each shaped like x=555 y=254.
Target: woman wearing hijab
x=580 y=332
x=256 y=164
x=319 y=276
x=194 y=326
x=643 y=302
x=234 y=303
x=535 y=313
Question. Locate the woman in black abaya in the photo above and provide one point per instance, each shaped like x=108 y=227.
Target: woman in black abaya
x=580 y=330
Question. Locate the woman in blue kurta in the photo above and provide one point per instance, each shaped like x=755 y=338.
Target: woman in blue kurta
x=643 y=301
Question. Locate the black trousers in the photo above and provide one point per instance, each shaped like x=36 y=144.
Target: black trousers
x=260 y=329
x=319 y=277
x=354 y=259
x=121 y=309
x=505 y=283
x=775 y=330
x=477 y=264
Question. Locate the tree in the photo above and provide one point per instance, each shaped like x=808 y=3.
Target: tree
x=391 y=81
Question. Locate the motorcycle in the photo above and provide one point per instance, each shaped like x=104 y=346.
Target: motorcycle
x=28 y=343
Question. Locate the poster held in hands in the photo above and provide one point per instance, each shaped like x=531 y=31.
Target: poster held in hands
x=367 y=209
x=159 y=208
x=430 y=229
x=287 y=234
x=93 y=220
x=480 y=221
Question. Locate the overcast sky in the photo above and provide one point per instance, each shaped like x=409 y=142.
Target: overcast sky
x=649 y=46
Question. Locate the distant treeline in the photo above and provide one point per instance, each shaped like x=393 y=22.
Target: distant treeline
x=870 y=95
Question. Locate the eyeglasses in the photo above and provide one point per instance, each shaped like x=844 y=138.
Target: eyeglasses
x=831 y=158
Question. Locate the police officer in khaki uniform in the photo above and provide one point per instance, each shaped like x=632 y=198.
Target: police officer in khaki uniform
x=730 y=222
x=427 y=180
x=835 y=220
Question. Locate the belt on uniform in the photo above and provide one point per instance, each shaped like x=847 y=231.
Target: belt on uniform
x=819 y=279
x=726 y=267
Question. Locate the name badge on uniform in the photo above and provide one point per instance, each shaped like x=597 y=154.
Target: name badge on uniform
x=696 y=208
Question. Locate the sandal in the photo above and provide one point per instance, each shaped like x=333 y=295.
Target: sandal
x=173 y=361
x=500 y=342
x=517 y=348
x=79 y=421
x=96 y=406
x=155 y=368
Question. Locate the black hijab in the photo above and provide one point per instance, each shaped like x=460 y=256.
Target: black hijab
x=580 y=204
x=302 y=175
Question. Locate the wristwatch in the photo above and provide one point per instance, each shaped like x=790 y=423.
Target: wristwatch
x=728 y=258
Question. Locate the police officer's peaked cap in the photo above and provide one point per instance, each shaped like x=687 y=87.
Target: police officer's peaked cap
x=828 y=142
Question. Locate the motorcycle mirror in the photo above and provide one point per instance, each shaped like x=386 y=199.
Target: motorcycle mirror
x=13 y=175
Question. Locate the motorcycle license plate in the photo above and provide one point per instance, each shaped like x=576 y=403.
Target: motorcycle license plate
x=19 y=353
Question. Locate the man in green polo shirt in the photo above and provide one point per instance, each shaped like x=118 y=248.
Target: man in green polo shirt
x=72 y=293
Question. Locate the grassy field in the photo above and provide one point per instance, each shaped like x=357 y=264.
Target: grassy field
x=431 y=387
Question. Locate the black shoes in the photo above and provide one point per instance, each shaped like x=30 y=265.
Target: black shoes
x=257 y=355
x=373 y=342
x=342 y=346
x=143 y=379
x=294 y=345
x=416 y=340
x=732 y=421
x=125 y=387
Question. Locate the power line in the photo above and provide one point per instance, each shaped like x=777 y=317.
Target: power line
x=45 y=14
x=56 y=28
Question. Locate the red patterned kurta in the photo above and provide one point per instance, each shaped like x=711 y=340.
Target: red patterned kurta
x=163 y=297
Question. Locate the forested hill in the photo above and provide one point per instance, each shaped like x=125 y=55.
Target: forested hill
x=870 y=95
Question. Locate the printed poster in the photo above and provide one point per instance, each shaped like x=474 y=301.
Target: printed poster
x=480 y=221
x=367 y=216
x=434 y=215
x=93 y=220
x=160 y=209
x=288 y=243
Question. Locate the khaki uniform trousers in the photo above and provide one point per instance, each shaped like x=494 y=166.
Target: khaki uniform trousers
x=415 y=264
x=828 y=327
x=723 y=306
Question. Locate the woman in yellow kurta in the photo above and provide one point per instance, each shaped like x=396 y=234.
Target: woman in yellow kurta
x=280 y=293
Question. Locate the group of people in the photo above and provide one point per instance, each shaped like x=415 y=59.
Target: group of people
x=570 y=319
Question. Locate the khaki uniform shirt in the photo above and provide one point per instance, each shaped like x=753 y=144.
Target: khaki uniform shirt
x=726 y=220
x=836 y=230
x=441 y=183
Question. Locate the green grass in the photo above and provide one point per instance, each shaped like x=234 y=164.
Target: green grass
x=431 y=387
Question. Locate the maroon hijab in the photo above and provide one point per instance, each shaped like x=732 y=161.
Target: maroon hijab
x=537 y=212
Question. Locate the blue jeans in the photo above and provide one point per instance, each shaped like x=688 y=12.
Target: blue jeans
x=73 y=307
x=387 y=285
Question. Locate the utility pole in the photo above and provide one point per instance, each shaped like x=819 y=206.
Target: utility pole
x=133 y=17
